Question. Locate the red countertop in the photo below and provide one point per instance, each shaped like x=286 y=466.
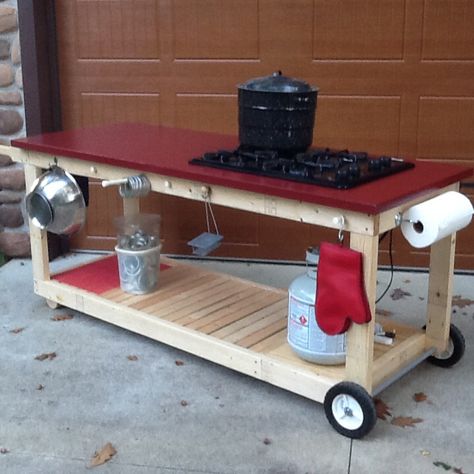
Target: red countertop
x=166 y=151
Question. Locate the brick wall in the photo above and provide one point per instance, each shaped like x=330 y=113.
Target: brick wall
x=14 y=239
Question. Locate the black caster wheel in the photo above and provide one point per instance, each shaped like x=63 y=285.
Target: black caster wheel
x=454 y=352
x=350 y=410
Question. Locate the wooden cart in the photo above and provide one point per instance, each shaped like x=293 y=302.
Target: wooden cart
x=236 y=323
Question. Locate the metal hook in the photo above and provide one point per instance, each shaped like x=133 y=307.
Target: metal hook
x=340 y=222
x=340 y=236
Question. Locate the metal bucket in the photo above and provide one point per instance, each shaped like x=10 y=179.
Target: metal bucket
x=138 y=269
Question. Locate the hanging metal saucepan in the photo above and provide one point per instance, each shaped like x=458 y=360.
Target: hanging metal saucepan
x=277 y=112
x=56 y=203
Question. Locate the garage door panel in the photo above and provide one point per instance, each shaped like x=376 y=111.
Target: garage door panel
x=285 y=32
x=215 y=30
x=369 y=123
x=117 y=29
x=99 y=222
x=358 y=30
x=394 y=77
x=445 y=127
x=448 y=32
x=100 y=108
x=207 y=112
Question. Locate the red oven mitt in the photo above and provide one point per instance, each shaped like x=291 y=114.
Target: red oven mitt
x=340 y=291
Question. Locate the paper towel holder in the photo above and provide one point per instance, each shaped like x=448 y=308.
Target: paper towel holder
x=416 y=224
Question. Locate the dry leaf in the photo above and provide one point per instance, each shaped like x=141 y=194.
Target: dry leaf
x=184 y=403
x=384 y=312
x=62 y=317
x=132 y=357
x=4 y=450
x=40 y=387
x=445 y=466
x=461 y=302
x=46 y=355
x=381 y=409
x=104 y=455
x=399 y=294
x=179 y=362
x=267 y=441
x=405 y=421
x=458 y=470
x=16 y=330
x=420 y=397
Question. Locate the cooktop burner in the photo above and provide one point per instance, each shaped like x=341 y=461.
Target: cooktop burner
x=322 y=166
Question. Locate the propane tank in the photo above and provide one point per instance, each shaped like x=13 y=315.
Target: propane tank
x=305 y=337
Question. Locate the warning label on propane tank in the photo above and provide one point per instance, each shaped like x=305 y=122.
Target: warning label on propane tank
x=298 y=323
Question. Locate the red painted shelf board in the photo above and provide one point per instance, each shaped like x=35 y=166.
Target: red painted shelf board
x=97 y=277
x=166 y=151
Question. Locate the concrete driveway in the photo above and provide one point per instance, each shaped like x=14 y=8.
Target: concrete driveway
x=165 y=411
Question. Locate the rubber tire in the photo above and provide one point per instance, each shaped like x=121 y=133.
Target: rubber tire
x=365 y=402
x=459 y=346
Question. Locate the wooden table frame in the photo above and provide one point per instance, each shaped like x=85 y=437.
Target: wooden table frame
x=273 y=362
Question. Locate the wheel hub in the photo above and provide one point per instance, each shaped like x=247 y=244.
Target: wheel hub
x=347 y=411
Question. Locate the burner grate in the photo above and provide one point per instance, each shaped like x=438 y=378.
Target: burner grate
x=341 y=169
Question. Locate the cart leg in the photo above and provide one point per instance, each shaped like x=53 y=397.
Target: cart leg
x=360 y=338
x=38 y=237
x=440 y=293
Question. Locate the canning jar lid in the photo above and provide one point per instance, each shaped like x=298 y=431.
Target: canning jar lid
x=277 y=82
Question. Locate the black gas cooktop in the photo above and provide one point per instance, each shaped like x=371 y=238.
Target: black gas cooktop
x=320 y=166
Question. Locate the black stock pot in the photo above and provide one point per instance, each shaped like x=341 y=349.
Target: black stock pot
x=277 y=112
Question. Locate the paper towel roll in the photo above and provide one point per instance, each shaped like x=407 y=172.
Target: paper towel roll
x=432 y=220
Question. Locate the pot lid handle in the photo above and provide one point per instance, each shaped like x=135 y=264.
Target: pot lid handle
x=277 y=82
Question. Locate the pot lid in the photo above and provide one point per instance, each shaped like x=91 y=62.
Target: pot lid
x=277 y=83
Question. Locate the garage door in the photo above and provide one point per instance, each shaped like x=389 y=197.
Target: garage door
x=395 y=77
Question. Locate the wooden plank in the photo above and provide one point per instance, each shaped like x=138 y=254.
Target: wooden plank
x=397 y=357
x=263 y=333
x=296 y=379
x=247 y=321
x=177 y=290
x=229 y=289
x=113 y=293
x=38 y=237
x=360 y=337
x=16 y=154
x=218 y=309
x=252 y=323
x=237 y=311
x=249 y=201
x=195 y=302
x=440 y=292
x=285 y=354
x=271 y=343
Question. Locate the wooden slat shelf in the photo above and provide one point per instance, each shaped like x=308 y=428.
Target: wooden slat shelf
x=225 y=307
x=248 y=315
